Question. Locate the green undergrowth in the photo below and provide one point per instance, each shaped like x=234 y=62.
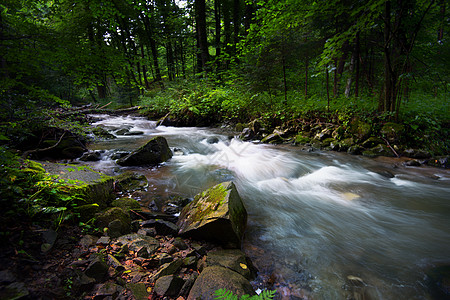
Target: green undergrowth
x=228 y=295
x=27 y=191
x=202 y=103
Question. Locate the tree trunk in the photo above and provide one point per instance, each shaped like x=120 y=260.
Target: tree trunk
x=202 y=41
x=358 y=57
x=217 y=26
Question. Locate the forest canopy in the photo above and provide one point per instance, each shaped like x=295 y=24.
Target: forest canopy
x=381 y=54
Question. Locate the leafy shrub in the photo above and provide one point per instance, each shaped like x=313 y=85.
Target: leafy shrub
x=228 y=295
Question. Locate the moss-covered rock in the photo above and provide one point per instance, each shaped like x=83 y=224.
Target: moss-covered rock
x=126 y=203
x=393 y=132
x=216 y=214
x=102 y=133
x=379 y=150
x=216 y=277
x=130 y=181
x=116 y=220
x=301 y=139
x=90 y=186
x=152 y=153
x=360 y=130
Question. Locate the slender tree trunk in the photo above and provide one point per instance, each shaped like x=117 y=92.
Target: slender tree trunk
x=306 y=76
x=283 y=61
x=200 y=14
x=358 y=57
x=236 y=22
x=386 y=104
x=328 y=87
x=144 y=68
x=350 y=78
x=217 y=26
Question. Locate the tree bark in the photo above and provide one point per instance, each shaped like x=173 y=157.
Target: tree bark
x=202 y=41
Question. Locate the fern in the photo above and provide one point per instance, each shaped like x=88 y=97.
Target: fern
x=228 y=295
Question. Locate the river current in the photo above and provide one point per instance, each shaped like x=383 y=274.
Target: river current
x=322 y=225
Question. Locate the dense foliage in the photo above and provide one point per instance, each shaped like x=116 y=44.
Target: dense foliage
x=223 y=60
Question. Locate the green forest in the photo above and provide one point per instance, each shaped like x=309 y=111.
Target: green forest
x=362 y=77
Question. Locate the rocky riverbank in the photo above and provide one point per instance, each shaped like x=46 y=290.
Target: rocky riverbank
x=132 y=253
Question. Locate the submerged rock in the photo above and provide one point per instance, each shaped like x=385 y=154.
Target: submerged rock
x=154 y=152
x=216 y=214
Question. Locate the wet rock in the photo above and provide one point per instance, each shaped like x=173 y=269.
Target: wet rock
x=168 y=286
x=355 y=150
x=162 y=227
x=122 y=131
x=360 y=130
x=190 y=261
x=184 y=292
x=168 y=269
x=233 y=259
x=91 y=156
x=416 y=153
x=126 y=203
x=15 y=290
x=247 y=134
x=115 y=263
x=154 y=152
x=274 y=138
x=134 y=132
x=372 y=142
x=103 y=241
x=180 y=244
x=137 y=242
x=119 y=154
x=392 y=132
x=212 y=140
x=102 y=133
x=216 y=214
x=301 y=139
x=215 y=277
x=412 y=163
x=441 y=162
x=139 y=290
x=147 y=231
x=108 y=289
x=116 y=220
x=130 y=181
x=327 y=142
x=380 y=150
x=97 y=269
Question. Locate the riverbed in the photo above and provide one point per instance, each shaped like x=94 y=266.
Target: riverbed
x=322 y=225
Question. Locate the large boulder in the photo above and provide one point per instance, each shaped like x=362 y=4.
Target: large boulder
x=360 y=130
x=216 y=277
x=216 y=214
x=154 y=152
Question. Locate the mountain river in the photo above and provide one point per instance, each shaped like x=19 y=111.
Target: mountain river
x=322 y=225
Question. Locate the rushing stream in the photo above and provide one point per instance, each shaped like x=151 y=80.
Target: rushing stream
x=318 y=221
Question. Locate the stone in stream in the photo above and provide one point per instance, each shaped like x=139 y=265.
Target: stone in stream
x=154 y=152
x=216 y=214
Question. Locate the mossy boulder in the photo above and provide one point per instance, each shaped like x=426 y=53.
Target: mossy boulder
x=102 y=133
x=90 y=186
x=216 y=277
x=126 y=203
x=130 y=181
x=69 y=147
x=301 y=139
x=152 y=153
x=216 y=214
x=233 y=259
x=393 y=132
x=116 y=220
x=360 y=130
x=379 y=150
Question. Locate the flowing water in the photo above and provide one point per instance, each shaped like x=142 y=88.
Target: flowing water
x=321 y=225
